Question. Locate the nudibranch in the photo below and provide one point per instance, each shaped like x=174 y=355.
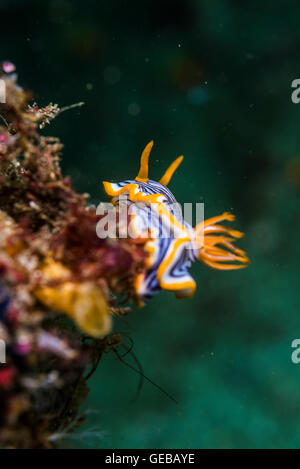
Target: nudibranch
x=172 y=243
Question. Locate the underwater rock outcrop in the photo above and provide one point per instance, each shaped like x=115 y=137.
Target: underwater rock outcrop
x=52 y=267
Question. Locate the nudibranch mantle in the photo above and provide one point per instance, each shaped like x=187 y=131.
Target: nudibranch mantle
x=172 y=244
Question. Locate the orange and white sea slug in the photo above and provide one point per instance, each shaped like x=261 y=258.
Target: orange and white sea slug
x=172 y=243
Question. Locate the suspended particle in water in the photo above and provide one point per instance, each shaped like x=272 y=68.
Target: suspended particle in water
x=112 y=75
x=134 y=109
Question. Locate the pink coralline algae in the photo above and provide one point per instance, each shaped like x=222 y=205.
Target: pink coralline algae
x=8 y=67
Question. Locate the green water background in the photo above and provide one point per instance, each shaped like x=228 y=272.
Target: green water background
x=210 y=80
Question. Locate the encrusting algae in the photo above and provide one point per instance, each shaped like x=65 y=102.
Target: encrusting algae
x=55 y=272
